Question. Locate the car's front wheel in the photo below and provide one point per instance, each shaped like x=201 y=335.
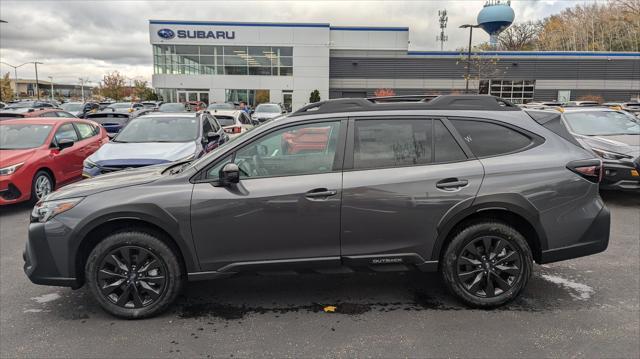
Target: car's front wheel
x=487 y=264
x=133 y=274
x=41 y=185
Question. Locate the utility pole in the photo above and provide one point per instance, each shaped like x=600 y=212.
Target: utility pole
x=443 y=19
x=82 y=82
x=466 y=86
x=51 y=82
x=35 y=63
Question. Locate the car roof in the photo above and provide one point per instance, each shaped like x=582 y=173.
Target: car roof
x=588 y=109
x=225 y=112
x=171 y=114
x=42 y=120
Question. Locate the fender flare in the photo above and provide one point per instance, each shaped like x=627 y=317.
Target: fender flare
x=147 y=213
x=508 y=202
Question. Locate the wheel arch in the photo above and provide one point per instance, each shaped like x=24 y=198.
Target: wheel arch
x=100 y=229
x=511 y=209
x=49 y=171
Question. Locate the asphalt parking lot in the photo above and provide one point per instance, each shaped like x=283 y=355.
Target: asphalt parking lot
x=587 y=307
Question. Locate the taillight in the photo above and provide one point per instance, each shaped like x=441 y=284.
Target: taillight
x=591 y=170
x=235 y=129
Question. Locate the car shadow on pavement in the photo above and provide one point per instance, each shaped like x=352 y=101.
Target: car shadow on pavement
x=16 y=208
x=620 y=198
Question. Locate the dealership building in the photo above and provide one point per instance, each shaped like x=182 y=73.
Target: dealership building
x=285 y=62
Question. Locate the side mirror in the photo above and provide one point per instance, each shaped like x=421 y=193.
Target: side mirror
x=229 y=174
x=284 y=111
x=65 y=143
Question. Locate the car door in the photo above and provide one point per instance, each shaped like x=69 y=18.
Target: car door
x=284 y=210
x=68 y=162
x=89 y=141
x=401 y=176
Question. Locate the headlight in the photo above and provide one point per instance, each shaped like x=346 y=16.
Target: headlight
x=44 y=211
x=10 y=169
x=608 y=155
x=89 y=164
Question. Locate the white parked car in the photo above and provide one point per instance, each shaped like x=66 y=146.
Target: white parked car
x=234 y=122
x=267 y=111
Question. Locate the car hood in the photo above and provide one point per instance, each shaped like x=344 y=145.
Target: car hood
x=625 y=144
x=266 y=114
x=106 y=182
x=11 y=157
x=156 y=151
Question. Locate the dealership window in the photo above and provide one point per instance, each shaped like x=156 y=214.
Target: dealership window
x=252 y=97
x=516 y=91
x=223 y=60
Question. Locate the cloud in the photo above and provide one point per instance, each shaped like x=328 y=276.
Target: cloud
x=89 y=38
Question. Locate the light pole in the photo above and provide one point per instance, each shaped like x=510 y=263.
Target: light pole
x=15 y=75
x=35 y=63
x=51 y=82
x=83 y=80
x=466 y=86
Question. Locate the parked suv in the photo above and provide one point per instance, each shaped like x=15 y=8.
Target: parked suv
x=470 y=186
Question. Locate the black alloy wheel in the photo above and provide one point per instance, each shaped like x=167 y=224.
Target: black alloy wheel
x=132 y=277
x=488 y=266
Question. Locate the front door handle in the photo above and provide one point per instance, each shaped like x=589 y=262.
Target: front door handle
x=451 y=183
x=320 y=193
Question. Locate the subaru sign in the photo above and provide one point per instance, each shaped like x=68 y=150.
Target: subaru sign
x=166 y=34
x=169 y=34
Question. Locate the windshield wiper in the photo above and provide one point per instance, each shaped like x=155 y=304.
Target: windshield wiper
x=114 y=140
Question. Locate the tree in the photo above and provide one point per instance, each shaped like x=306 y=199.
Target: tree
x=314 y=96
x=113 y=86
x=481 y=67
x=6 y=92
x=142 y=92
x=519 y=37
x=384 y=92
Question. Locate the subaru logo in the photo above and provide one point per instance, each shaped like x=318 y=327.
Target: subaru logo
x=166 y=34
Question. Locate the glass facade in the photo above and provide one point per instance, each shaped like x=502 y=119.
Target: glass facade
x=250 y=97
x=222 y=60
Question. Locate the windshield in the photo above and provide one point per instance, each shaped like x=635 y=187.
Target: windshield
x=22 y=136
x=72 y=106
x=172 y=107
x=120 y=105
x=159 y=129
x=602 y=123
x=268 y=108
x=221 y=106
x=226 y=120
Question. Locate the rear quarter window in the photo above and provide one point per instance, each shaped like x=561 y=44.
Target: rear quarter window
x=487 y=139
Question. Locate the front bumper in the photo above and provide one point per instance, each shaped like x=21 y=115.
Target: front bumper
x=14 y=189
x=621 y=176
x=594 y=240
x=45 y=264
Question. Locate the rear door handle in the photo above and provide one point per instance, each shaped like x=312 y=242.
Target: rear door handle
x=320 y=193
x=451 y=183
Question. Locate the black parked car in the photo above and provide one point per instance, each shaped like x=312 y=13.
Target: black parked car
x=470 y=186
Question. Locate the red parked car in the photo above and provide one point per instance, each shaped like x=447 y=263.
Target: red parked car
x=311 y=139
x=41 y=154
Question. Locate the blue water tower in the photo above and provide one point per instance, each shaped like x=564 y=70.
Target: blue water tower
x=494 y=18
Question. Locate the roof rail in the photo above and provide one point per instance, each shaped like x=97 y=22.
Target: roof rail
x=414 y=102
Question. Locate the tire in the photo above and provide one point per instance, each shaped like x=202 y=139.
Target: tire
x=508 y=264
x=152 y=271
x=36 y=185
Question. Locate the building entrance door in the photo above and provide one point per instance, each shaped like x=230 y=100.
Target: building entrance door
x=184 y=96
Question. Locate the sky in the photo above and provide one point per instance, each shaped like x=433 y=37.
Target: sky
x=87 y=39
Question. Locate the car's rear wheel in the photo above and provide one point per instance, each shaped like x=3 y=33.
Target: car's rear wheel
x=487 y=264
x=41 y=186
x=133 y=274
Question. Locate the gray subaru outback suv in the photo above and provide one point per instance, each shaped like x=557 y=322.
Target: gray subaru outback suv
x=470 y=186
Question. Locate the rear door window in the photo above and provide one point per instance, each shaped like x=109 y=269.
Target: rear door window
x=85 y=130
x=490 y=139
x=392 y=143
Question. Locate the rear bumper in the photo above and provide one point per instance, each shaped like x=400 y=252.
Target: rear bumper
x=594 y=240
x=621 y=176
x=39 y=263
